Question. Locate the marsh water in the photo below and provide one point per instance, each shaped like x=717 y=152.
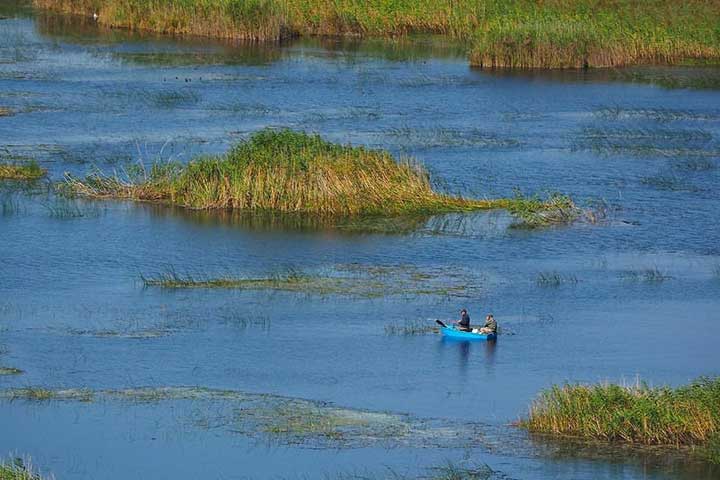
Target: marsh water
x=632 y=298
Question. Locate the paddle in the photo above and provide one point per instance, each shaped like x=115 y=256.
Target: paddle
x=439 y=322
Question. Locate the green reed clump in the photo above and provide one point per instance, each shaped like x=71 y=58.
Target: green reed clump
x=18 y=469
x=21 y=171
x=535 y=212
x=497 y=33
x=688 y=415
x=290 y=172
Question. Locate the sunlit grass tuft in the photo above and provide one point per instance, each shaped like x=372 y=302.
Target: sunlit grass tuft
x=688 y=415
x=24 y=171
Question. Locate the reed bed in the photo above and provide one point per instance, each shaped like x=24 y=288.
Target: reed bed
x=684 y=416
x=19 y=469
x=21 y=171
x=496 y=33
x=290 y=172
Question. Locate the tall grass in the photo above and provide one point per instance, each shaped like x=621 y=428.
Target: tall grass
x=688 y=415
x=287 y=171
x=497 y=33
x=21 y=171
x=19 y=469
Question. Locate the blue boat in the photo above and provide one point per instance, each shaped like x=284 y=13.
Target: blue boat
x=456 y=334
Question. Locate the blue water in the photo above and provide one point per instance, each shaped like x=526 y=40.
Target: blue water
x=84 y=98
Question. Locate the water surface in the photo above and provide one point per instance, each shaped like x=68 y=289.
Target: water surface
x=74 y=312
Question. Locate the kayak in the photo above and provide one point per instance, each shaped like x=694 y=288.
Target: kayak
x=460 y=335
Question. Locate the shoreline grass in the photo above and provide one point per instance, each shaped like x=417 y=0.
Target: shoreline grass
x=683 y=416
x=26 y=171
x=286 y=171
x=496 y=33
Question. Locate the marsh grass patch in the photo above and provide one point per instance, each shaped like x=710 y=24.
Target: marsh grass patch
x=648 y=142
x=30 y=170
x=695 y=164
x=669 y=183
x=685 y=416
x=354 y=280
x=291 y=172
x=651 y=275
x=554 y=279
x=171 y=99
x=411 y=327
x=657 y=114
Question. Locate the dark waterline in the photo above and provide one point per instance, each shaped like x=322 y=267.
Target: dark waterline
x=71 y=274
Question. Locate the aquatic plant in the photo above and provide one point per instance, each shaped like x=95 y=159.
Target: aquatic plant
x=282 y=419
x=19 y=469
x=534 y=211
x=32 y=393
x=497 y=33
x=410 y=327
x=451 y=471
x=649 y=275
x=286 y=171
x=554 y=279
x=42 y=394
x=25 y=171
x=10 y=371
x=354 y=280
x=688 y=415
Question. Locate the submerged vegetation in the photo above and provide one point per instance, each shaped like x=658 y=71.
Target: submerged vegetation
x=496 y=33
x=295 y=172
x=284 y=420
x=647 y=275
x=554 y=279
x=684 y=416
x=352 y=280
x=410 y=327
x=26 y=171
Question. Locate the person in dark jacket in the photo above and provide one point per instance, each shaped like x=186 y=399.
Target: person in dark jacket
x=490 y=325
x=464 y=323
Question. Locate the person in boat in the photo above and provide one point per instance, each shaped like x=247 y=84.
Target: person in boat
x=490 y=326
x=464 y=323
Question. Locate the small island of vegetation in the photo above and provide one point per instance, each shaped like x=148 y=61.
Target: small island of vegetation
x=286 y=171
x=26 y=171
x=496 y=33
x=684 y=416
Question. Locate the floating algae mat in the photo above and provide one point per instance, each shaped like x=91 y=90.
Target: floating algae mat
x=281 y=420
